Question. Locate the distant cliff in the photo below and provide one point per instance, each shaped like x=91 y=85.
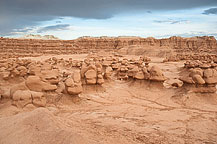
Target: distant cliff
x=34 y=47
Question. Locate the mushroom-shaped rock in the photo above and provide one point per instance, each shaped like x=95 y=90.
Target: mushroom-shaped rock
x=69 y=82
x=20 y=86
x=187 y=79
x=34 y=83
x=156 y=74
x=90 y=76
x=21 y=98
x=75 y=90
x=76 y=76
x=173 y=83
x=198 y=79
x=5 y=75
x=210 y=76
x=208 y=73
x=195 y=71
x=34 y=70
x=132 y=72
x=108 y=72
x=38 y=99
x=22 y=70
x=52 y=76
x=139 y=75
x=146 y=73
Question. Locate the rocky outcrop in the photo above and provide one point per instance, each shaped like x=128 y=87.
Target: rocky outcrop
x=156 y=74
x=196 y=56
x=36 y=79
x=73 y=84
x=200 y=73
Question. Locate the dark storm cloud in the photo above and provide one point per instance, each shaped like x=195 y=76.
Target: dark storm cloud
x=54 y=27
x=21 y=13
x=210 y=11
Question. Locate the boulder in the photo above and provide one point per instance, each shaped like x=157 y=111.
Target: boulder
x=156 y=74
x=51 y=76
x=5 y=75
x=69 y=82
x=90 y=76
x=34 y=83
x=210 y=76
x=34 y=70
x=132 y=72
x=208 y=73
x=20 y=86
x=198 y=79
x=187 y=79
x=108 y=72
x=115 y=66
x=139 y=75
x=91 y=81
x=195 y=71
x=146 y=73
x=39 y=102
x=21 y=98
x=38 y=99
x=75 y=90
x=211 y=80
x=77 y=77
x=100 y=79
x=22 y=70
x=173 y=83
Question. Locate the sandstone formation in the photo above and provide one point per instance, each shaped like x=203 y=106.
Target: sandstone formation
x=33 y=47
x=36 y=78
x=195 y=56
x=119 y=88
x=201 y=73
x=69 y=76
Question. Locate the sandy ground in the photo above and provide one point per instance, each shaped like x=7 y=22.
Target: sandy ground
x=120 y=112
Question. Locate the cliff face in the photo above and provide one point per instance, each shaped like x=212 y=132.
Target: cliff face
x=33 y=47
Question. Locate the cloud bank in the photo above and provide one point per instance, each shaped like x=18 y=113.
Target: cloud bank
x=15 y=14
x=210 y=11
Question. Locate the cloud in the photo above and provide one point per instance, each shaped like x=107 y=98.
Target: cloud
x=210 y=11
x=16 y=14
x=171 y=21
x=54 y=28
x=58 y=21
x=193 y=34
x=22 y=30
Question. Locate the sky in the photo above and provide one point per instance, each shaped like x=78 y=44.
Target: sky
x=70 y=19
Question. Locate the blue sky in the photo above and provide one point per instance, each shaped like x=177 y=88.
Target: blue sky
x=144 y=22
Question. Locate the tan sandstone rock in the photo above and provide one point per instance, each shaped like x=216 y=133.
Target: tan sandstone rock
x=156 y=74
x=21 y=98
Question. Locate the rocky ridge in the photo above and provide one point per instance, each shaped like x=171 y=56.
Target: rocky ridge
x=35 y=47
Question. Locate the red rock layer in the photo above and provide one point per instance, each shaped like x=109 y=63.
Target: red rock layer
x=33 y=47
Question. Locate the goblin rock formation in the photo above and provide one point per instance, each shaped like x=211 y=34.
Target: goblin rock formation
x=34 y=79
x=201 y=73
